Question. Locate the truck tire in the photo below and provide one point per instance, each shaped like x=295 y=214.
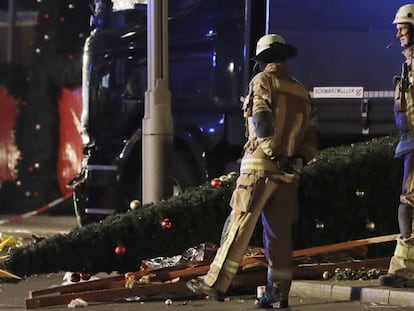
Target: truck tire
x=109 y=201
x=185 y=174
x=116 y=199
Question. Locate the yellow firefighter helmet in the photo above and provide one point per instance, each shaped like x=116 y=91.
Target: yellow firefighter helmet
x=405 y=15
x=273 y=45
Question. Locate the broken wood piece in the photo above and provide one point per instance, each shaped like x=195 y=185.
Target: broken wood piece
x=307 y=252
x=117 y=280
x=111 y=294
x=252 y=272
x=60 y=295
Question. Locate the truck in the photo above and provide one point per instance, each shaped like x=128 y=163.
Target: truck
x=347 y=58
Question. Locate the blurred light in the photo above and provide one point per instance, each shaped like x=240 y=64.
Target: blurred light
x=221 y=121
x=211 y=33
x=319 y=225
x=230 y=68
x=128 y=34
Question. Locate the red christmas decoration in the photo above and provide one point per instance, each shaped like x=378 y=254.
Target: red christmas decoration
x=75 y=277
x=166 y=223
x=85 y=276
x=216 y=182
x=128 y=275
x=120 y=250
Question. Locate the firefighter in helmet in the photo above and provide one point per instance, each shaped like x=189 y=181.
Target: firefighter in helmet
x=282 y=136
x=401 y=268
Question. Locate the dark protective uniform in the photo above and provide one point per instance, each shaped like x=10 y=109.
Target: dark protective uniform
x=281 y=127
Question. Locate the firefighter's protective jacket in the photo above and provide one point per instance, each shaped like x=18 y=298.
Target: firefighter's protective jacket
x=404 y=108
x=280 y=121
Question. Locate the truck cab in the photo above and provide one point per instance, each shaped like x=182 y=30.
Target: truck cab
x=342 y=60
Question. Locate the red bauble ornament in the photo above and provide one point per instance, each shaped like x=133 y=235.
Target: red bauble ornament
x=128 y=275
x=166 y=223
x=120 y=250
x=216 y=182
x=85 y=276
x=75 y=277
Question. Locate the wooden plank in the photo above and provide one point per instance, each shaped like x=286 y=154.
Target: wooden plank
x=113 y=287
x=307 y=252
x=116 y=281
x=104 y=295
x=253 y=276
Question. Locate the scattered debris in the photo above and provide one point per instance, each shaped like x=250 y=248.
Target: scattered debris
x=77 y=303
x=168 y=275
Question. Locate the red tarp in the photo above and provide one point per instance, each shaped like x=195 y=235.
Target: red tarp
x=70 y=142
x=8 y=149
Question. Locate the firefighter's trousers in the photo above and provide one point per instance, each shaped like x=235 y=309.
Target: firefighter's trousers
x=277 y=202
x=402 y=262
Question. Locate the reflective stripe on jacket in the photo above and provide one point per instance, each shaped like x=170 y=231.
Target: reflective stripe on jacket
x=281 y=120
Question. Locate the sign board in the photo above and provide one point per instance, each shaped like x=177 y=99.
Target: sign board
x=338 y=92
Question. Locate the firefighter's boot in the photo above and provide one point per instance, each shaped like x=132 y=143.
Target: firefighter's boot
x=198 y=286
x=401 y=270
x=273 y=298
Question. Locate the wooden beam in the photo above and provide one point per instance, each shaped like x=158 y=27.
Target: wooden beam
x=307 y=252
x=111 y=294
x=252 y=272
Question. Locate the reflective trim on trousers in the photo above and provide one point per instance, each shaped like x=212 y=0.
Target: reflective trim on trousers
x=404 y=252
x=222 y=252
x=231 y=266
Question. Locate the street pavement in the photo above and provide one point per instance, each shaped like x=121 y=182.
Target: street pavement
x=306 y=295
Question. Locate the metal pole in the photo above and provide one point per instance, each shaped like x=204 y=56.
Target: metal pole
x=10 y=30
x=157 y=140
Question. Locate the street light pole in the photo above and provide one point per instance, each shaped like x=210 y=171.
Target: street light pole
x=157 y=140
x=10 y=30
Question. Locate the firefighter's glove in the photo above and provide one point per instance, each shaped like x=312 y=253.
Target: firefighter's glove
x=290 y=165
x=297 y=164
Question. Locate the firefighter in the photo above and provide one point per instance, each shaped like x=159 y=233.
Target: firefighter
x=401 y=268
x=282 y=136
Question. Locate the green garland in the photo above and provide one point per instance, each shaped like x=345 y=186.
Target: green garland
x=351 y=192
x=343 y=189
x=196 y=216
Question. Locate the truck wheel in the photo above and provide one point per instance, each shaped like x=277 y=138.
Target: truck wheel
x=185 y=174
x=103 y=199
